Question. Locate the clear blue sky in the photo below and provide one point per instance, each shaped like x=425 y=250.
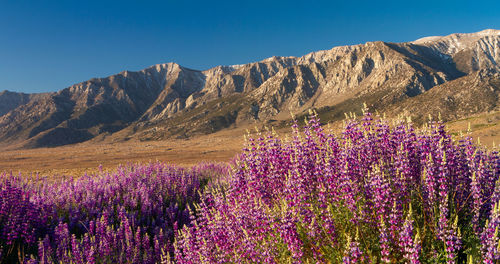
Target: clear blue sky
x=49 y=45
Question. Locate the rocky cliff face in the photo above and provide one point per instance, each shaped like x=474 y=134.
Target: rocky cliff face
x=11 y=100
x=168 y=100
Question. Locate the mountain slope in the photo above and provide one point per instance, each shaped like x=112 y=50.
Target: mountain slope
x=477 y=92
x=470 y=52
x=168 y=100
x=11 y=100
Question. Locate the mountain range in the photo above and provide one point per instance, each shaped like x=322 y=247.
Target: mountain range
x=456 y=75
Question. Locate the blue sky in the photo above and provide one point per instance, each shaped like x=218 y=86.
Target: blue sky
x=49 y=45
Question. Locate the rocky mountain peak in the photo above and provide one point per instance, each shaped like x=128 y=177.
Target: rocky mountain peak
x=459 y=39
x=169 y=100
x=469 y=51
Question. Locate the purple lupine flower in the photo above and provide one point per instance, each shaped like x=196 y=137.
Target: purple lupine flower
x=490 y=237
x=353 y=253
x=384 y=240
x=408 y=241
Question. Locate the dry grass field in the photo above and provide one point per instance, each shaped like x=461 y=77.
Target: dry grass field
x=86 y=157
x=485 y=128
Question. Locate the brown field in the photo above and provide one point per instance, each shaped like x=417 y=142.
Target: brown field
x=77 y=159
x=86 y=157
x=485 y=128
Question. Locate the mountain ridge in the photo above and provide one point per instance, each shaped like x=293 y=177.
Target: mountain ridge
x=169 y=100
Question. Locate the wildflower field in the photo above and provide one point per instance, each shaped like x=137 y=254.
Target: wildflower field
x=375 y=193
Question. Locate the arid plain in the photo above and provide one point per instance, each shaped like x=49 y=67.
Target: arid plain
x=77 y=159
